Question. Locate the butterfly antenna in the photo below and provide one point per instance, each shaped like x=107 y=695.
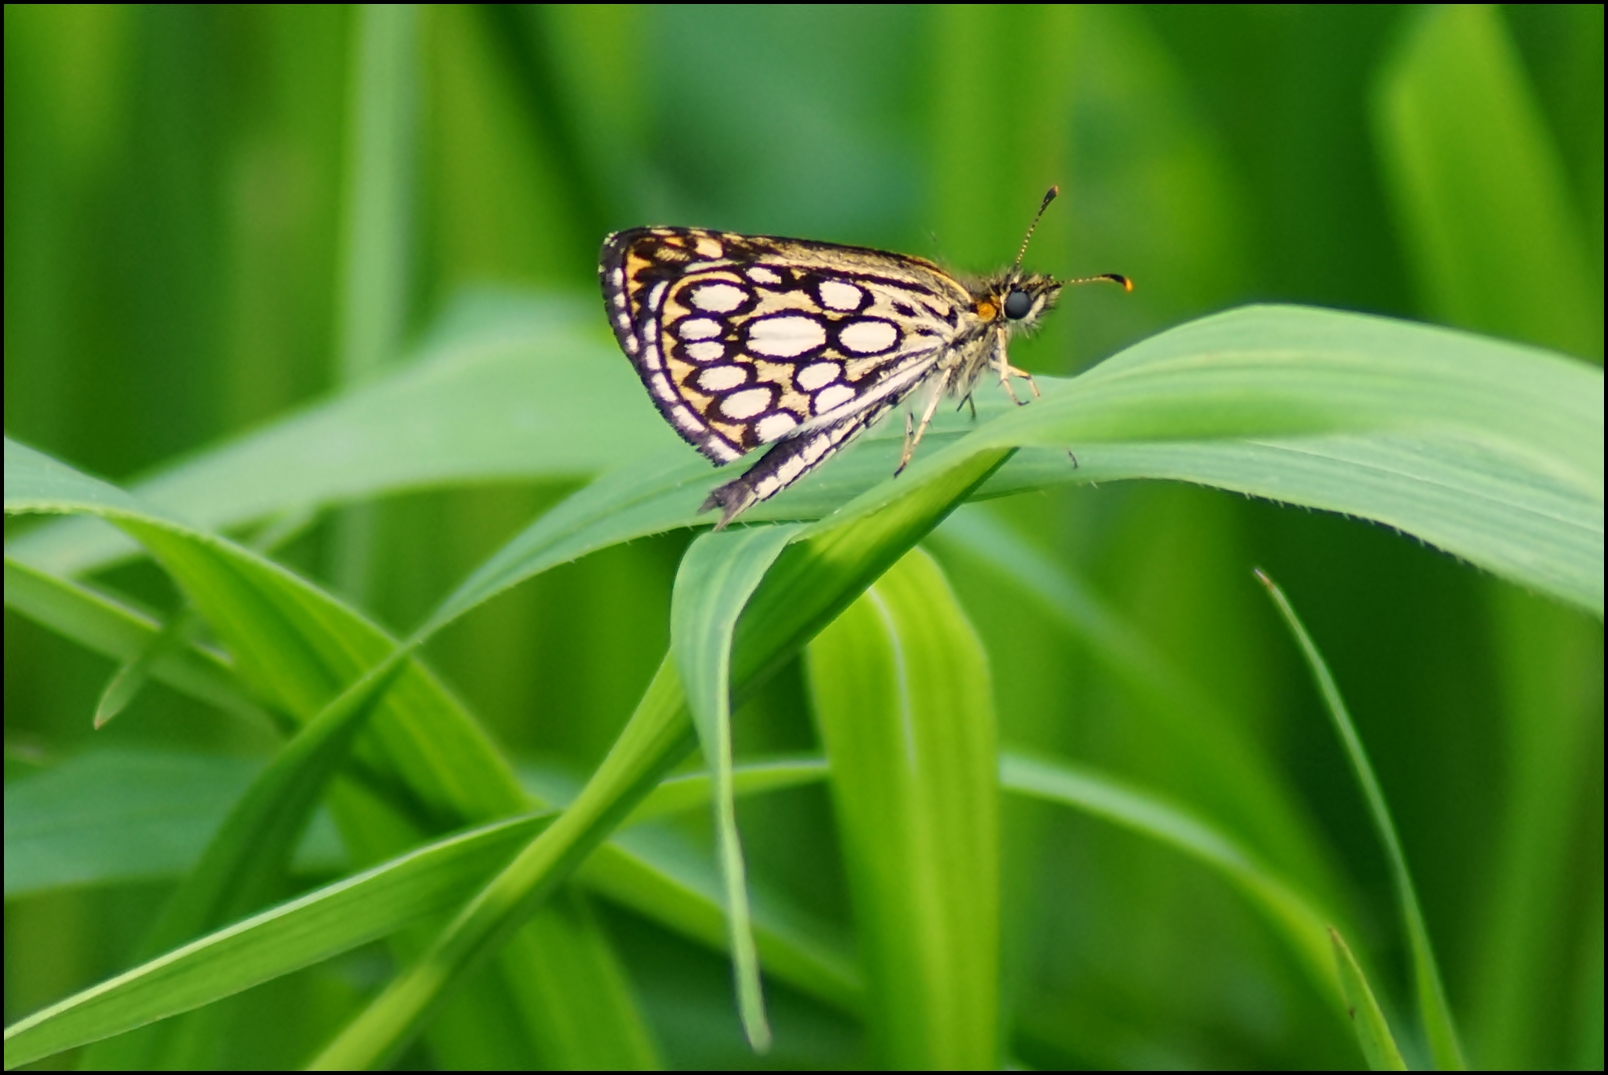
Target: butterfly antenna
x=1108 y=277
x=1049 y=196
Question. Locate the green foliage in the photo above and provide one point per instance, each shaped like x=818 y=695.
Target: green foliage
x=314 y=290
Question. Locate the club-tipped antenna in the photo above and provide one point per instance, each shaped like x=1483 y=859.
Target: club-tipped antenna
x=1105 y=277
x=1049 y=196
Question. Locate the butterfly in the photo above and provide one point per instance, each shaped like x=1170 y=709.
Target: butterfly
x=749 y=340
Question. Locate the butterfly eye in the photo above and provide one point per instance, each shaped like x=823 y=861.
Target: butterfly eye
x=1017 y=304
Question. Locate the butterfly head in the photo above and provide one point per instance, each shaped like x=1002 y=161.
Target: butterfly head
x=1016 y=300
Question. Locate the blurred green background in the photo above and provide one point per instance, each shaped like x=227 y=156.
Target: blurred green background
x=179 y=202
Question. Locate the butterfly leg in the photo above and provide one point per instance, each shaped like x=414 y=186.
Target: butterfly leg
x=926 y=417
x=1026 y=376
x=1005 y=381
x=1006 y=372
x=1001 y=362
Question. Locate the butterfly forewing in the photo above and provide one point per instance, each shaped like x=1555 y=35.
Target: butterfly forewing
x=745 y=340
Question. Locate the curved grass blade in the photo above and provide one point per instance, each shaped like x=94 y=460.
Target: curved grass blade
x=1431 y=995
x=117 y=628
x=718 y=573
x=1373 y=1032
x=131 y=676
x=1295 y=916
x=1506 y=516
x=1281 y=371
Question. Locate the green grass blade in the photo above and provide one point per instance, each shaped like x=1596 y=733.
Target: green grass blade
x=692 y=790
x=1513 y=519
x=1282 y=371
x=657 y=875
x=902 y=698
x=244 y=863
x=110 y=816
x=658 y=735
x=321 y=924
x=1367 y=1019
x=718 y=574
x=117 y=629
x=131 y=677
x=1433 y=1008
x=245 y=859
x=1294 y=916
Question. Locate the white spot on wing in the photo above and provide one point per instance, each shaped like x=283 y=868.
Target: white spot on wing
x=840 y=296
x=618 y=280
x=630 y=345
x=762 y=275
x=705 y=351
x=835 y=396
x=708 y=247
x=698 y=328
x=869 y=336
x=718 y=298
x=818 y=375
x=656 y=294
x=720 y=378
x=774 y=425
x=785 y=337
x=747 y=403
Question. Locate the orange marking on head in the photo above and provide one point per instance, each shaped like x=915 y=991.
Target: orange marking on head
x=986 y=309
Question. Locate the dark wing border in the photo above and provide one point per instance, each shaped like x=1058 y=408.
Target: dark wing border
x=635 y=329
